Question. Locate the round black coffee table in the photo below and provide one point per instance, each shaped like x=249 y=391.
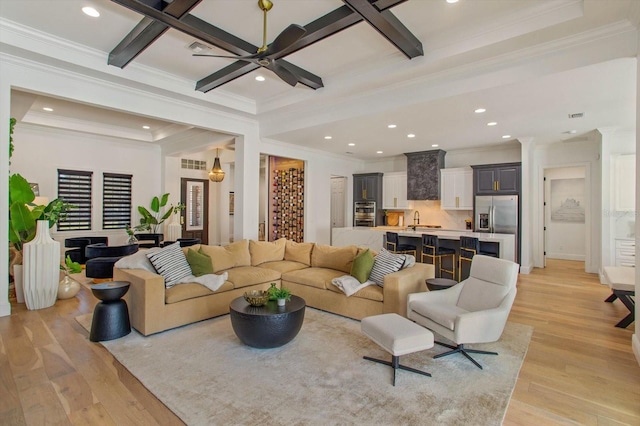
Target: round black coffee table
x=267 y=326
x=111 y=315
x=439 y=283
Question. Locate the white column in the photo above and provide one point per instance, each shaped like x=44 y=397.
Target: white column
x=247 y=186
x=5 y=108
x=635 y=339
x=527 y=204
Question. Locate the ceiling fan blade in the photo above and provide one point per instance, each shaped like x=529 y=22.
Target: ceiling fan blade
x=286 y=38
x=284 y=73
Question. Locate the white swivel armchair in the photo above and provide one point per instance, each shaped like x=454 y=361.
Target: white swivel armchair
x=473 y=311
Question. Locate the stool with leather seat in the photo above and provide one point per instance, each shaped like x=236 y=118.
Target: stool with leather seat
x=469 y=247
x=431 y=248
x=394 y=246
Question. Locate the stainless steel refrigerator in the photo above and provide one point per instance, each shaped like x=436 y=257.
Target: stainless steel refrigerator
x=498 y=214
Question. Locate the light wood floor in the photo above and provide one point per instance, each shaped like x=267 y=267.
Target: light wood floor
x=579 y=369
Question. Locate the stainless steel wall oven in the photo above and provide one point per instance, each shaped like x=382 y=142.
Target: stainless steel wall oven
x=364 y=213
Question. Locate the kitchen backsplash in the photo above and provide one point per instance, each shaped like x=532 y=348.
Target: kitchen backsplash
x=431 y=214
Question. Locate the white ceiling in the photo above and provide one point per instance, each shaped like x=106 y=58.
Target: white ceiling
x=530 y=63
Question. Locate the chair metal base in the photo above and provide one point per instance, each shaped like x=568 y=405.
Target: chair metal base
x=626 y=297
x=464 y=351
x=395 y=364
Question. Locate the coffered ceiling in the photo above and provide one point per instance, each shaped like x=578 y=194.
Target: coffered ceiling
x=529 y=63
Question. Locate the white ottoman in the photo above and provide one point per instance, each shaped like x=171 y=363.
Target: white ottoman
x=398 y=336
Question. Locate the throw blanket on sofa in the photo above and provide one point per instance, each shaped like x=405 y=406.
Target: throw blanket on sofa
x=350 y=285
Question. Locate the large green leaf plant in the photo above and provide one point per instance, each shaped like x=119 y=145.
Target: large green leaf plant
x=151 y=221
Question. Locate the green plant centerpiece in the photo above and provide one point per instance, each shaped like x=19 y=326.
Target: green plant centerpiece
x=281 y=294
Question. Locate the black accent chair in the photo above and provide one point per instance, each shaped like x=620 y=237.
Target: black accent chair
x=101 y=258
x=156 y=240
x=469 y=247
x=77 y=247
x=431 y=249
x=184 y=242
x=394 y=246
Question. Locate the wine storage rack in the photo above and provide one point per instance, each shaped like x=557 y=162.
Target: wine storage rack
x=287 y=204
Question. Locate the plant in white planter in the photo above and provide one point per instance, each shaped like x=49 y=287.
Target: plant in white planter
x=282 y=294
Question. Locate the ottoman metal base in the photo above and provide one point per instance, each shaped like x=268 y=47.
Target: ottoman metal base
x=395 y=363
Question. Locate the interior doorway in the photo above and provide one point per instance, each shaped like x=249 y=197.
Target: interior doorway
x=194 y=194
x=566 y=231
x=338 y=202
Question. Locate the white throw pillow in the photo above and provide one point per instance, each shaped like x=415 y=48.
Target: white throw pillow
x=171 y=263
x=138 y=260
x=385 y=263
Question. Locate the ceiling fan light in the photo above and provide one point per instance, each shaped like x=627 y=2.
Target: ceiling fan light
x=216 y=174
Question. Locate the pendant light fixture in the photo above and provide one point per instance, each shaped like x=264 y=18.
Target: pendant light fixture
x=216 y=174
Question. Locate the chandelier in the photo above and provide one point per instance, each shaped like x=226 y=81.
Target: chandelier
x=216 y=174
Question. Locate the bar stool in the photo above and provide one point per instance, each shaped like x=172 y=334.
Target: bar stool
x=431 y=248
x=395 y=247
x=469 y=247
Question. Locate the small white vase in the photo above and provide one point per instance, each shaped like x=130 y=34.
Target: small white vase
x=18 y=283
x=281 y=302
x=68 y=288
x=41 y=268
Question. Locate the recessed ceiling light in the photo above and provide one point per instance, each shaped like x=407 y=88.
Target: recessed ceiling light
x=435 y=145
x=260 y=78
x=328 y=137
x=392 y=126
x=90 y=11
x=573 y=132
x=146 y=127
x=452 y=1
x=411 y=135
x=352 y=144
x=506 y=136
x=491 y=123
x=378 y=152
x=47 y=109
x=479 y=110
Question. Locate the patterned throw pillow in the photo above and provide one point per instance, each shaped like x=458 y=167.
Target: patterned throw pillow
x=385 y=263
x=171 y=263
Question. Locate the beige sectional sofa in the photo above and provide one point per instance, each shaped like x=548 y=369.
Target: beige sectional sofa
x=305 y=268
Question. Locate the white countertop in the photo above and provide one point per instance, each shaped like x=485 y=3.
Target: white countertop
x=373 y=238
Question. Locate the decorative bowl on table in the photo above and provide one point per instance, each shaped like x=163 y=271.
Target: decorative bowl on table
x=256 y=297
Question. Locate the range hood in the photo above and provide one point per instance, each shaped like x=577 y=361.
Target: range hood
x=423 y=174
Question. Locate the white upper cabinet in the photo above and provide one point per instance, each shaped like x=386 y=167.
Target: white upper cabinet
x=394 y=191
x=624 y=182
x=456 y=189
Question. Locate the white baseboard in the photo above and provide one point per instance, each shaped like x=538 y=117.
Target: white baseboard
x=566 y=256
x=526 y=269
x=635 y=343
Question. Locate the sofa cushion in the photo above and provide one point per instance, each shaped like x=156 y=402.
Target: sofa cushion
x=362 y=265
x=371 y=292
x=230 y=256
x=266 y=251
x=181 y=292
x=283 y=266
x=171 y=263
x=338 y=258
x=298 y=252
x=243 y=276
x=200 y=263
x=313 y=277
x=385 y=263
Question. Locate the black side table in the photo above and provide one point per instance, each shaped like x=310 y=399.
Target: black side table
x=439 y=283
x=111 y=315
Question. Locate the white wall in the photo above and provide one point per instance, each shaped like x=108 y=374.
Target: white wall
x=564 y=240
x=41 y=151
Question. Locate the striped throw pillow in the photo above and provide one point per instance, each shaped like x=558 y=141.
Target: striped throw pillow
x=385 y=263
x=171 y=263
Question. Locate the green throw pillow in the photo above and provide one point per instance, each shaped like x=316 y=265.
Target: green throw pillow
x=200 y=263
x=362 y=265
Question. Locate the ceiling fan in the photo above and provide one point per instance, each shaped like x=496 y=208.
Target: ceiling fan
x=264 y=55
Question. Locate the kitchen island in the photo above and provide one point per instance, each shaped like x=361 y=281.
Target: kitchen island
x=373 y=238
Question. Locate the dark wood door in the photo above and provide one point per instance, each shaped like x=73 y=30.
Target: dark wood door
x=194 y=194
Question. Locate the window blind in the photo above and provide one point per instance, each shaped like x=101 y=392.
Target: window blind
x=116 y=201
x=74 y=187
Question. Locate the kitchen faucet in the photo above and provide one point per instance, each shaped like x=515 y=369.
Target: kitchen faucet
x=416 y=218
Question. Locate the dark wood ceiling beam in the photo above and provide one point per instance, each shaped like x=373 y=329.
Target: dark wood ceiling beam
x=225 y=75
x=147 y=31
x=389 y=27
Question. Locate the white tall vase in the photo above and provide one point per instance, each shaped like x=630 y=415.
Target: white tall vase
x=174 y=230
x=41 y=268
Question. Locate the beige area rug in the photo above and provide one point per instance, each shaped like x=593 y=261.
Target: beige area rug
x=206 y=376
